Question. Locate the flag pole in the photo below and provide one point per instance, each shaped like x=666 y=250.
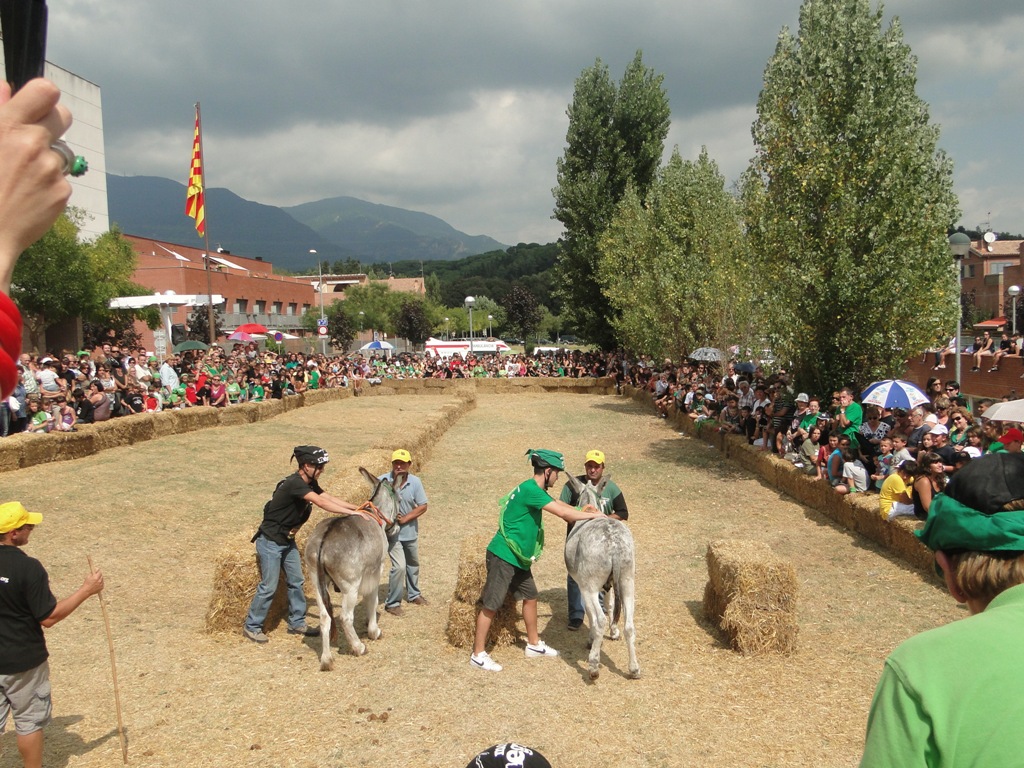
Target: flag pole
x=212 y=331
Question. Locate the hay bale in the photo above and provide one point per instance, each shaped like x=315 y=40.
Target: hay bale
x=10 y=452
x=236 y=574
x=751 y=596
x=165 y=423
x=242 y=413
x=197 y=417
x=469 y=583
x=74 y=445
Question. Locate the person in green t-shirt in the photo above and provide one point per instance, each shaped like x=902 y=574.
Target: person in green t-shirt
x=951 y=696
x=850 y=416
x=513 y=550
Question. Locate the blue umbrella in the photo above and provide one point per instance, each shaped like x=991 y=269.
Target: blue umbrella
x=894 y=393
x=377 y=345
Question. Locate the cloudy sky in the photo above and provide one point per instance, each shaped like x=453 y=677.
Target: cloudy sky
x=457 y=107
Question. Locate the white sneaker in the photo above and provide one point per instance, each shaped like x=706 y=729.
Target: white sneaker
x=539 y=650
x=484 y=661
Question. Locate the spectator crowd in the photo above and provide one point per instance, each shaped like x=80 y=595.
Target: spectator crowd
x=58 y=392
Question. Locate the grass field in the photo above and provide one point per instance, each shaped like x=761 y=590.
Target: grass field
x=153 y=515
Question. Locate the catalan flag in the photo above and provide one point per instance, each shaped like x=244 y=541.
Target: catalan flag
x=195 y=203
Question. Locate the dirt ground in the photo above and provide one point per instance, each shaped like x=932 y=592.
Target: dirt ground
x=153 y=515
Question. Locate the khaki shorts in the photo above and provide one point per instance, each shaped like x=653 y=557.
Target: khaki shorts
x=502 y=578
x=27 y=695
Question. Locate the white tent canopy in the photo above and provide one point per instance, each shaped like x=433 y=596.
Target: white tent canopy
x=165 y=301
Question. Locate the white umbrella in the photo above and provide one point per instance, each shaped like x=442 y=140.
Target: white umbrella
x=377 y=345
x=707 y=354
x=1010 y=411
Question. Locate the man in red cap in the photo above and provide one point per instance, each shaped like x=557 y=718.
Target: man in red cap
x=1009 y=442
x=26 y=606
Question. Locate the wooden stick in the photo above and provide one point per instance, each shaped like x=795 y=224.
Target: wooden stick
x=113 y=670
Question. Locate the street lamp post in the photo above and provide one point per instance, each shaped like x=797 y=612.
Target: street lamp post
x=470 y=302
x=362 y=317
x=489 y=331
x=447 y=330
x=320 y=290
x=1014 y=291
x=960 y=247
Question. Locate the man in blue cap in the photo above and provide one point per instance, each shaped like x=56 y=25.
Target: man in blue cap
x=952 y=696
x=513 y=550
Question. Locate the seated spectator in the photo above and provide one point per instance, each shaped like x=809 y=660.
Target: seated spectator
x=83 y=407
x=943 y=449
x=1008 y=442
x=64 y=418
x=731 y=417
x=960 y=421
x=834 y=461
x=135 y=400
x=1005 y=348
x=985 y=348
x=760 y=429
x=101 y=402
x=39 y=421
x=900 y=451
x=895 y=498
x=929 y=479
x=855 y=475
x=884 y=462
x=872 y=431
x=975 y=442
x=808 y=453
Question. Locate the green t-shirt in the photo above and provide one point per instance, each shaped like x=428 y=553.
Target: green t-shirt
x=523 y=522
x=951 y=696
x=855 y=415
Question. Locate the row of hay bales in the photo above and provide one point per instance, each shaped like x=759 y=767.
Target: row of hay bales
x=856 y=512
x=236 y=569
x=28 y=450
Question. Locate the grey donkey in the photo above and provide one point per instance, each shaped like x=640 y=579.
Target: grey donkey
x=349 y=552
x=600 y=554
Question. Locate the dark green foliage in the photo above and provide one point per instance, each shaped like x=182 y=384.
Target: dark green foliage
x=615 y=142
x=199 y=324
x=412 y=322
x=522 y=313
x=340 y=327
x=848 y=201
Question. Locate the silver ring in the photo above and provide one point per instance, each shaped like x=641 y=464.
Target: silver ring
x=74 y=165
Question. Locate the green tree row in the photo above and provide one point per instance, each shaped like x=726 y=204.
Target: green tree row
x=832 y=252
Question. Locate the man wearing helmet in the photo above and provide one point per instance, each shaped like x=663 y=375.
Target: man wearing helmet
x=404 y=547
x=286 y=512
x=613 y=504
x=513 y=550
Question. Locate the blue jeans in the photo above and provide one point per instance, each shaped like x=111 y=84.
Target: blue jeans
x=273 y=559
x=405 y=571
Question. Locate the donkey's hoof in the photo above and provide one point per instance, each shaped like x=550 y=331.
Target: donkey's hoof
x=326 y=666
x=375 y=635
x=594 y=674
x=359 y=650
x=614 y=634
x=634 y=674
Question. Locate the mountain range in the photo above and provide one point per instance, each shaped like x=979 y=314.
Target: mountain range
x=337 y=228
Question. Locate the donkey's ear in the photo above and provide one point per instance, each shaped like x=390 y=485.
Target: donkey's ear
x=371 y=479
x=605 y=477
x=576 y=485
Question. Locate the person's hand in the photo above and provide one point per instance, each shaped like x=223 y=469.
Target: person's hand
x=33 y=189
x=93 y=583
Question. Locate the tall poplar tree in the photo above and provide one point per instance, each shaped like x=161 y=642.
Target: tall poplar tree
x=615 y=140
x=674 y=267
x=848 y=200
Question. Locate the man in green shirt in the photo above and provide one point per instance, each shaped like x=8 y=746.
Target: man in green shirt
x=850 y=416
x=951 y=696
x=513 y=550
x=613 y=504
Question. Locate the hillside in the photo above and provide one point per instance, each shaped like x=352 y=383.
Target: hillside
x=344 y=228
x=382 y=233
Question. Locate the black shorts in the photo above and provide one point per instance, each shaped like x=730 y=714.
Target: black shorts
x=503 y=578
